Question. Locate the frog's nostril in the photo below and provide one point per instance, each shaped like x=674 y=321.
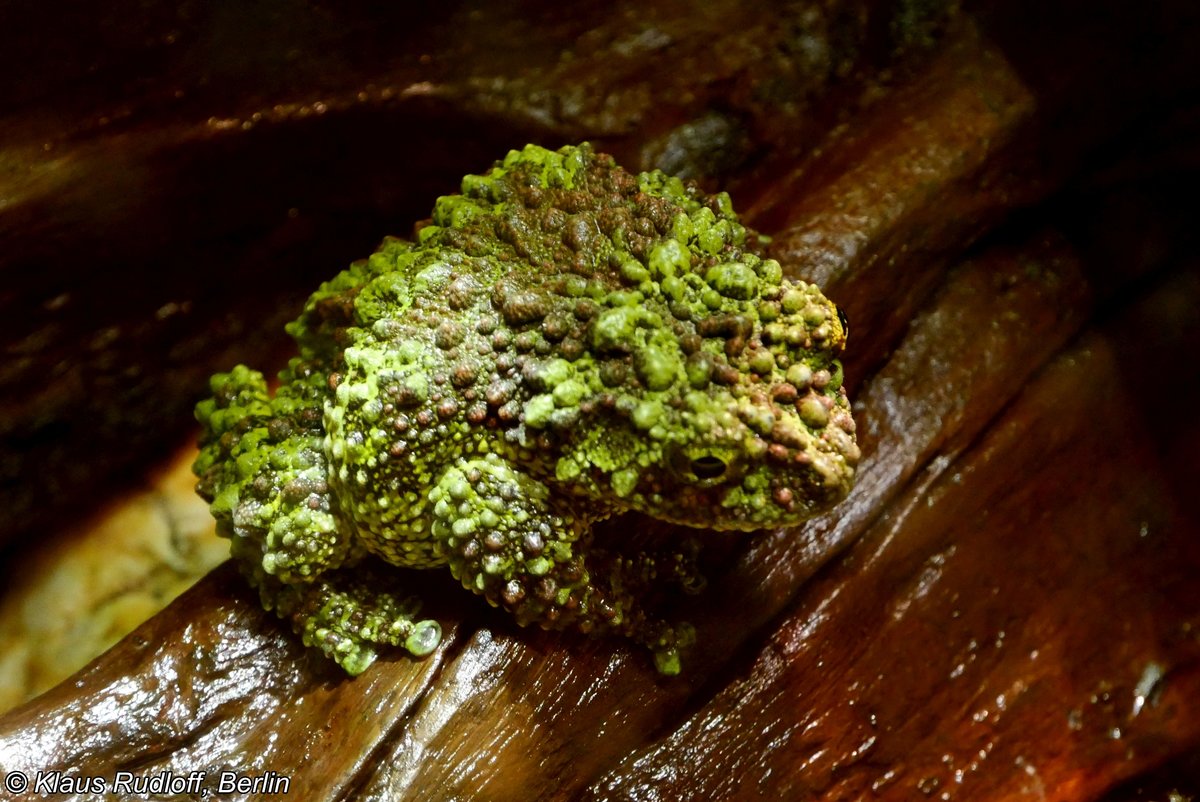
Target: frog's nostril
x=708 y=467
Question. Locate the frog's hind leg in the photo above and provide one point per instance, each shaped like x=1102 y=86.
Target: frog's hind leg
x=263 y=469
x=509 y=539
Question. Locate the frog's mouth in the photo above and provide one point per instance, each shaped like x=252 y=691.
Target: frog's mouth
x=705 y=508
x=715 y=488
x=704 y=492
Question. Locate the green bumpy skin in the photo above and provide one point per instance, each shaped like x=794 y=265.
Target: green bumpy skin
x=565 y=341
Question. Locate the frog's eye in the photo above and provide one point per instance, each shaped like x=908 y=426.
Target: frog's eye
x=708 y=467
x=845 y=321
x=704 y=465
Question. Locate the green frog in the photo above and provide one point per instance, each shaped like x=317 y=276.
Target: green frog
x=563 y=342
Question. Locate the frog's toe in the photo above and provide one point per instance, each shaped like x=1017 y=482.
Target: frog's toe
x=668 y=644
x=667 y=662
x=425 y=637
x=351 y=654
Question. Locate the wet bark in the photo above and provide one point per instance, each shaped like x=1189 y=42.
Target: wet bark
x=1006 y=605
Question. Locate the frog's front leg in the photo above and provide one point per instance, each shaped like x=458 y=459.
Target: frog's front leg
x=510 y=539
x=263 y=468
x=348 y=613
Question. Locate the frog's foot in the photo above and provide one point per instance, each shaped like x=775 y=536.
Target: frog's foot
x=636 y=577
x=347 y=620
x=507 y=538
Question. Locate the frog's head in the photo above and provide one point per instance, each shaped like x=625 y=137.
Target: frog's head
x=731 y=420
x=666 y=364
x=754 y=454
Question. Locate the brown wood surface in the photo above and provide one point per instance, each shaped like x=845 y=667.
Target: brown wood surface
x=1008 y=604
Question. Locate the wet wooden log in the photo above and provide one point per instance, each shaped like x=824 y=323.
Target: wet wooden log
x=1005 y=606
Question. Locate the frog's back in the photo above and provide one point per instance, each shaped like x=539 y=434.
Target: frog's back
x=433 y=347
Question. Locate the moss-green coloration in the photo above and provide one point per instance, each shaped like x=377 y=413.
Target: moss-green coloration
x=565 y=341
